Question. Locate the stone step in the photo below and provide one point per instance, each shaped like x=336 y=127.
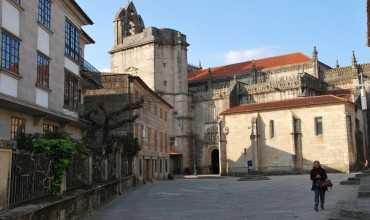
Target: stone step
x=336 y=215
x=355 y=214
x=359 y=175
x=364 y=193
x=253 y=178
x=350 y=182
x=364 y=189
x=353 y=180
x=203 y=177
x=351 y=210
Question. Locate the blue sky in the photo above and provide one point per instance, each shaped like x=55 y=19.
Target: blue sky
x=221 y=31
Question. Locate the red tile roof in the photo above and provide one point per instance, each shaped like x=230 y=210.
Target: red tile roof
x=287 y=104
x=342 y=93
x=246 y=67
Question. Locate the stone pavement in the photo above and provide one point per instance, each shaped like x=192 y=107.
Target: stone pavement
x=358 y=207
x=282 y=198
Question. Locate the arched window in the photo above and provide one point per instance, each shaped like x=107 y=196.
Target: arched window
x=211 y=135
x=212 y=113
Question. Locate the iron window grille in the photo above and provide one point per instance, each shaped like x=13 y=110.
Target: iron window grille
x=18 y=127
x=72 y=41
x=49 y=128
x=10 y=52
x=71 y=91
x=44 y=13
x=43 y=68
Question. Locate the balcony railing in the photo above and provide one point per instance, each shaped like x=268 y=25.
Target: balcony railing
x=90 y=72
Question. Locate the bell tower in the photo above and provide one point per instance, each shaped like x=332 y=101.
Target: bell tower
x=159 y=58
x=126 y=23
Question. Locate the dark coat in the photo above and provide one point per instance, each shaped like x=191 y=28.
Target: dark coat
x=316 y=181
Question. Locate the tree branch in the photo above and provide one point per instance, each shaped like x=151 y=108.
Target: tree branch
x=122 y=122
x=127 y=107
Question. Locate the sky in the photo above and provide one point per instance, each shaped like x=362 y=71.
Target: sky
x=221 y=32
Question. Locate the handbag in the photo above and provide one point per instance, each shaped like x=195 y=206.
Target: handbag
x=326 y=184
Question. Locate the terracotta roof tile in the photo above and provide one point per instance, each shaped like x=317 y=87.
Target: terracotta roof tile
x=342 y=93
x=287 y=104
x=246 y=67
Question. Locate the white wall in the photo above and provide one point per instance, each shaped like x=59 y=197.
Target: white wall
x=43 y=41
x=42 y=98
x=8 y=85
x=71 y=66
x=10 y=18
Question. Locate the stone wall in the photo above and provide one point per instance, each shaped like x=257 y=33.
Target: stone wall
x=159 y=58
x=277 y=152
x=73 y=205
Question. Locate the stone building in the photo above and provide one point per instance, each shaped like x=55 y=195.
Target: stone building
x=43 y=74
x=354 y=78
x=288 y=135
x=216 y=89
x=159 y=57
x=199 y=95
x=153 y=127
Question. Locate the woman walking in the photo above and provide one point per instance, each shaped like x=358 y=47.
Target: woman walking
x=318 y=177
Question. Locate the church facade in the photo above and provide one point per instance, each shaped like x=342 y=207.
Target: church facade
x=204 y=133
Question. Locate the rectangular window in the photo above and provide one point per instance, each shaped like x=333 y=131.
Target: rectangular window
x=165 y=116
x=318 y=126
x=72 y=41
x=172 y=142
x=161 y=141
x=156 y=140
x=71 y=91
x=49 y=128
x=10 y=53
x=149 y=131
x=18 y=127
x=165 y=143
x=42 y=71
x=155 y=109
x=142 y=134
x=44 y=13
x=272 y=129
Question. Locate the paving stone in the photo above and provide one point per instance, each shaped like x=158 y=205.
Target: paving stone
x=281 y=198
x=254 y=178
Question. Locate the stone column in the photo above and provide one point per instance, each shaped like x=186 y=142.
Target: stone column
x=5 y=174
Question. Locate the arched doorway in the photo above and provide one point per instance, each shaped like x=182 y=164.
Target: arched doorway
x=215 y=157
